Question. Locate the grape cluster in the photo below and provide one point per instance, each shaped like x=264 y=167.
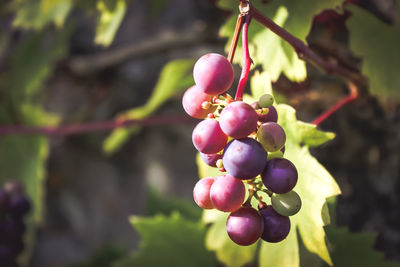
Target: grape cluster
x=13 y=207
x=246 y=144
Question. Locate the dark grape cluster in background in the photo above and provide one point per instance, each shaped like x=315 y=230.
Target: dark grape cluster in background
x=14 y=205
x=246 y=144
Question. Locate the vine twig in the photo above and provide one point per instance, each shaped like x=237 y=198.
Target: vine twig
x=304 y=52
x=351 y=97
x=235 y=38
x=246 y=60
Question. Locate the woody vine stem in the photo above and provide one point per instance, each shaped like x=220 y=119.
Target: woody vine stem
x=247 y=13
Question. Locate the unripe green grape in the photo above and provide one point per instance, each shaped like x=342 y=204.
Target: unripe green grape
x=287 y=204
x=266 y=101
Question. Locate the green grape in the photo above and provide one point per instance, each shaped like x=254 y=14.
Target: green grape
x=266 y=101
x=287 y=204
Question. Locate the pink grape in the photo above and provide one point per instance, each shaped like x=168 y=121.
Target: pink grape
x=201 y=193
x=213 y=74
x=192 y=103
x=227 y=193
x=238 y=120
x=208 y=137
x=210 y=159
x=276 y=226
x=245 y=226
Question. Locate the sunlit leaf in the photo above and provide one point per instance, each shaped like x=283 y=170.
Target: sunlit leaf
x=109 y=21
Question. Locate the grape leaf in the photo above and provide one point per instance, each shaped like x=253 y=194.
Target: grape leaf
x=315 y=184
x=378 y=51
x=159 y=204
x=169 y=241
x=175 y=76
x=35 y=14
x=355 y=249
x=267 y=49
x=110 y=19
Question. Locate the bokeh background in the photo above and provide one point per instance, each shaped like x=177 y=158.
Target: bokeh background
x=89 y=194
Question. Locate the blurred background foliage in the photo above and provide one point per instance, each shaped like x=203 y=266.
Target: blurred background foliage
x=124 y=198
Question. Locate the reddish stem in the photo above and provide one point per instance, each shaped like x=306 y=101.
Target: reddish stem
x=91 y=126
x=246 y=60
x=351 y=97
x=238 y=28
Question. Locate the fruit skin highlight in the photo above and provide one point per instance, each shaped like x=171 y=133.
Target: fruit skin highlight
x=208 y=137
x=227 y=193
x=213 y=74
x=192 y=103
x=201 y=193
x=279 y=175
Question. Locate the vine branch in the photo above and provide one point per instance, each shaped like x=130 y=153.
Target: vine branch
x=304 y=52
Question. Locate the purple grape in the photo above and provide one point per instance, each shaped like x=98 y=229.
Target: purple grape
x=213 y=74
x=18 y=205
x=245 y=226
x=279 y=175
x=271 y=136
x=227 y=193
x=238 y=119
x=208 y=137
x=201 y=193
x=276 y=226
x=271 y=116
x=244 y=158
x=210 y=159
x=6 y=253
x=192 y=103
x=4 y=198
x=11 y=230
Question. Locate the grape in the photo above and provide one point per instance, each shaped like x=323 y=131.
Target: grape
x=244 y=158
x=279 y=175
x=208 y=137
x=245 y=226
x=4 y=197
x=18 y=205
x=286 y=204
x=201 y=193
x=271 y=116
x=210 y=159
x=266 y=101
x=238 y=119
x=192 y=103
x=213 y=74
x=271 y=136
x=227 y=193
x=276 y=226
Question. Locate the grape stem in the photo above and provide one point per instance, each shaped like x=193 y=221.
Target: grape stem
x=349 y=98
x=92 y=126
x=238 y=28
x=246 y=59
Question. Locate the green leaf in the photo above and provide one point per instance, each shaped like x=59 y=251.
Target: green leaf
x=314 y=185
x=267 y=49
x=260 y=84
x=355 y=249
x=158 y=204
x=169 y=241
x=110 y=19
x=175 y=77
x=378 y=51
x=35 y=14
x=31 y=65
